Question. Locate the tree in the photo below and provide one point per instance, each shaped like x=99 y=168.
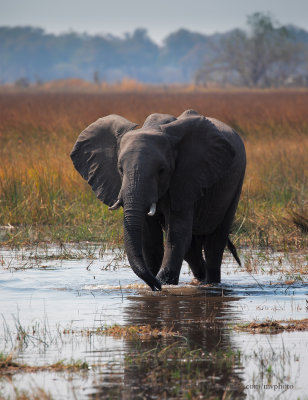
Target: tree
x=22 y=82
x=96 y=78
x=265 y=55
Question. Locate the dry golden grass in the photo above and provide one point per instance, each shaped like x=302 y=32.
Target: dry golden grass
x=40 y=188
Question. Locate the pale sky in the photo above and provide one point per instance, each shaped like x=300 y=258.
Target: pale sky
x=159 y=17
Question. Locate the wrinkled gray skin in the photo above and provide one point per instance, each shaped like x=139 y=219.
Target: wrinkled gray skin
x=192 y=167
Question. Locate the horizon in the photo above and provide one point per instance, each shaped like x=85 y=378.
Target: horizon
x=99 y=17
x=122 y=35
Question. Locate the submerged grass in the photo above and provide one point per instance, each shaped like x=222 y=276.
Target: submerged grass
x=175 y=371
x=42 y=197
x=180 y=371
x=173 y=367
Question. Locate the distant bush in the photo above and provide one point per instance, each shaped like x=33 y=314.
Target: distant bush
x=22 y=83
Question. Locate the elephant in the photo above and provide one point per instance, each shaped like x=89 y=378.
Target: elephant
x=178 y=180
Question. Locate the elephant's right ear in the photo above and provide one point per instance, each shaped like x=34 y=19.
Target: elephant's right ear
x=205 y=153
x=95 y=155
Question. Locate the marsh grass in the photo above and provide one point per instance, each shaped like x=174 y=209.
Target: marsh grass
x=291 y=266
x=181 y=371
x=42 y=197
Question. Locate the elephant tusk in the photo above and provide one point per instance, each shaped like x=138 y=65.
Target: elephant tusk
x=116 y=205
x=152 y=210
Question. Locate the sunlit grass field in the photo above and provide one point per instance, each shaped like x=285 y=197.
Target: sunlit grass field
x=42 y=197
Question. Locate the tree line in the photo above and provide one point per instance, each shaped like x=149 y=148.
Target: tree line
x=265 y=54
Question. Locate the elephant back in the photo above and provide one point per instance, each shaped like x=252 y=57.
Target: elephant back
x=154 y=121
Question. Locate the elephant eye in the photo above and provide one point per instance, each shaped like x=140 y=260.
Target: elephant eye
x=120 y=169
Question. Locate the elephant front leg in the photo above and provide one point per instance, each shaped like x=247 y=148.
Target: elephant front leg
x=178 y=239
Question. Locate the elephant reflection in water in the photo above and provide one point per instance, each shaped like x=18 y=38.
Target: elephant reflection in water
x=201 y=321
x=201 y=318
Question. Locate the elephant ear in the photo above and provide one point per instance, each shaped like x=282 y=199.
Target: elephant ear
x=95 y=155
x=204 y=156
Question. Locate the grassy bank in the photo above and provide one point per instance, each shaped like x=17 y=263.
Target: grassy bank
x=43 y=198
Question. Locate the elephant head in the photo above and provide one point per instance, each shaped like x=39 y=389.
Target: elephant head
x=129 y=168
x=135 y=168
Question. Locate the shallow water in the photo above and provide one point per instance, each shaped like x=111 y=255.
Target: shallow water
x=45 y=293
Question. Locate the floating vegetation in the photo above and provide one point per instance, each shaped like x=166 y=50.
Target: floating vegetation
x=134 y=332
x=8 y=366
x=138 y=332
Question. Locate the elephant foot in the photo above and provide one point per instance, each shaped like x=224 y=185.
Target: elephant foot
x=213 y=275
x=197 y=282
x=166 y=278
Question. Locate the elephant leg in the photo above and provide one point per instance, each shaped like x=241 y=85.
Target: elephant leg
x=178 y=239
x=152 y=244
x=215 y=243
x=195 y=258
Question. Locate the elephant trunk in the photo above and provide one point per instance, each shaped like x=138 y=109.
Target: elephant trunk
x=133 y=225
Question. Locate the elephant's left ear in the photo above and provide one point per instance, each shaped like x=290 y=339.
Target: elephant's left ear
x=204 y=155
x=95 y=155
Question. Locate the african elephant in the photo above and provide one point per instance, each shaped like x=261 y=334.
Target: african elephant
x=179 y=175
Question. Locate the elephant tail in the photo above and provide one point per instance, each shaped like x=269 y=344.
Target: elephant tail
x=232 y=248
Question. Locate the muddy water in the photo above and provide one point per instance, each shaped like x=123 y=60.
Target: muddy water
x=56 y=298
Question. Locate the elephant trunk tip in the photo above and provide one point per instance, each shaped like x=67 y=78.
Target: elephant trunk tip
x=154 y=284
